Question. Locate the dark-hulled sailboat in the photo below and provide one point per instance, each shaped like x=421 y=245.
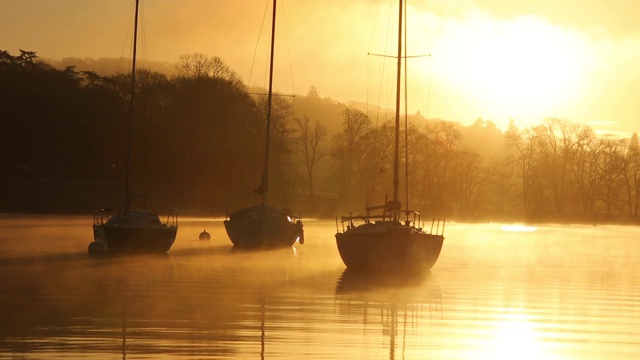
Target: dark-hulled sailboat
x=130 y=230
x=263 y=225
x=392 y=239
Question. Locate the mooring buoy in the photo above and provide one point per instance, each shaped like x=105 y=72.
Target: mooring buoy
x=204 y=235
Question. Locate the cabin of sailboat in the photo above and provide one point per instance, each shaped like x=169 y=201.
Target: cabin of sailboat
x=263 y=225
x=391 y=239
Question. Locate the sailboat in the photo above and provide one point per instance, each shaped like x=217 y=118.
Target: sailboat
x=263 y=225
x=389 y=238
x=132 y=230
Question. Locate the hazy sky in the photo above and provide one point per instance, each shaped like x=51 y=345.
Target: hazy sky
x=495 y=59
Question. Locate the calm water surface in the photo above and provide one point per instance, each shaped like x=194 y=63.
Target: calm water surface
x=497 y=292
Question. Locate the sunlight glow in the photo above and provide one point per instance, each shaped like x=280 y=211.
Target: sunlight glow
x=519 y=228
x=522 y=66
x=514 y=337
x=564 y=61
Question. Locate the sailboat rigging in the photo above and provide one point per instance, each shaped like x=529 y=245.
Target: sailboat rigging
x=265 y=226
x=132 y=230
x=385 y=241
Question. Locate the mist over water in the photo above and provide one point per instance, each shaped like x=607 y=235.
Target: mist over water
x=497 y=292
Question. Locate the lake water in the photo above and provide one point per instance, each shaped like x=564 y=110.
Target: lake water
x=497 y=292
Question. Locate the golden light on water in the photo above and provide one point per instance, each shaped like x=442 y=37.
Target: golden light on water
x=559 y=292
x=514 y=336
x=519 y=228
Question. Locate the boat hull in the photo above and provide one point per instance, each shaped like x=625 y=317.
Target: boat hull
x=124 y=240
x=263 y=226
x=262 y=233
x=388 y=248
x=132 y=231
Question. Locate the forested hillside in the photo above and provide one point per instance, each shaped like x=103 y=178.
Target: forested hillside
x=198 y=145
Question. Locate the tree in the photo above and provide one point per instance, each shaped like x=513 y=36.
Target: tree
x=557 y=148
x=584 y=166
x=631 y=165
x=524 y=144
x=610 y=170
x=374 y=165
x=347 y=149
x=442 y=146
x=307 y=143
x=281 y=164
x=313 y=93
x=199 y=65
x=214 y=134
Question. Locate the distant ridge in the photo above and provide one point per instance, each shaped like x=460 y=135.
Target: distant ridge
x=111 y=66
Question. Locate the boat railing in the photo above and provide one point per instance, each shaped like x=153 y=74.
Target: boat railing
x=172 y=218
x=406 y=217
x=100 y=217
x=437 y=226
x=354 y=220
x=410 y=218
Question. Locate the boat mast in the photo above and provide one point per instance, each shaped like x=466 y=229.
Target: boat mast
x=396 y=181
x=265 y=176
x=264 y=183
x=133 y=85
x=406 y=118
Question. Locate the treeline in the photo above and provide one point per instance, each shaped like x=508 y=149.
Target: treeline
x=564 y=170
x=195 y=138
x=198 y=144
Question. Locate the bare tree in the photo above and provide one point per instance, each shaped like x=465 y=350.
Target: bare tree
x=307 y=143
x=347 y=147
x=524 y=144
x=199 y=65
x=443 y=145
x=585 y=169
x=611 y=172
x=280 y=144
x=557 y=147
x=632 y=174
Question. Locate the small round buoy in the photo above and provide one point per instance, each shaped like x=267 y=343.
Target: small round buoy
x=96 y=248
x=204 y=235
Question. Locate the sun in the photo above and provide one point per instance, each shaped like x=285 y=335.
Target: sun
x=522 y=68
x=529 y=66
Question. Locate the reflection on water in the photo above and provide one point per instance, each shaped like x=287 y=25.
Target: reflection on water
x=497 y=292
x=396 y=309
